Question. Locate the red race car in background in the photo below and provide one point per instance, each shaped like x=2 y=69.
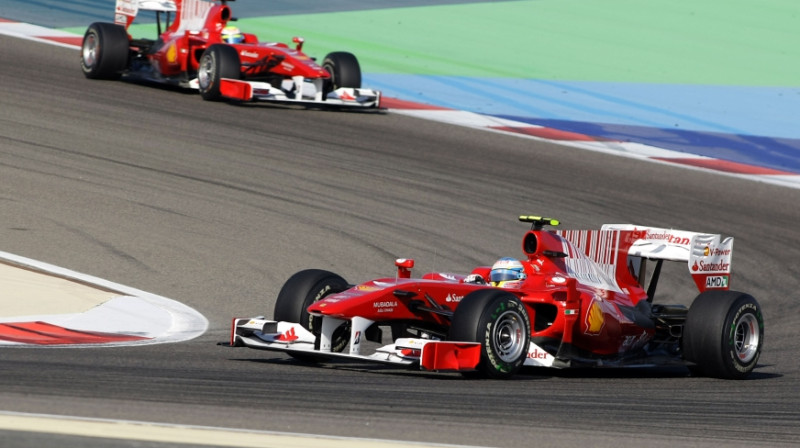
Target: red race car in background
x=199 y=48
x=577 y=298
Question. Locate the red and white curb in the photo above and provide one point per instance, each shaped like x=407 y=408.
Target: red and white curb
x=39 y=33
x=611 y=147
x=46 y=305
x=475 y=120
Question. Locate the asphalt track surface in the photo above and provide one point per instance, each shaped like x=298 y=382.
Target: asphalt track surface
x=215 y=205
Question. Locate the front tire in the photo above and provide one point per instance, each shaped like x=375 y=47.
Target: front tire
x=344 y=69
x=217 y=62
x=299 y=292
x=724 y=334
x=499 y=322
x=104 y=51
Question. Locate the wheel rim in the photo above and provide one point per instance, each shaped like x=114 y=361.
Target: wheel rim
x=90 y=50
x=746 y=338
x=205 y=72
x=508 y=336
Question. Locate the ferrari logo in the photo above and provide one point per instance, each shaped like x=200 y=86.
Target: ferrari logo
x=594 y=319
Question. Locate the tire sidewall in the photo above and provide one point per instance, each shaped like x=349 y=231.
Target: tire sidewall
x=208 y=74
x=710 y=330
x=111 y=51
x=494 y=365
x=741 y=308
x=344 y=69
x=91 y=70
x=218 y=61
x=475 y=320
x=303 y=289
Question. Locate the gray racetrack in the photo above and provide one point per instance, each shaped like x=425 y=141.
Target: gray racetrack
x=215 y=205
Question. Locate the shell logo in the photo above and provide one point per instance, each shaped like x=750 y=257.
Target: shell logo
x=707 y=251
x=594 y=319
x=172 y=54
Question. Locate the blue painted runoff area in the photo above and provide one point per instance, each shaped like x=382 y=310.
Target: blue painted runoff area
x=744 y=124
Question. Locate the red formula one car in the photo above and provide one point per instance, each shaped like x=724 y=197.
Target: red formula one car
x=577 y=298
x=200 y=49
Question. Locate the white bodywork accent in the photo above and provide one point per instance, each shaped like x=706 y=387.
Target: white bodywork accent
x=667 y=244
x=538 y=357
x=329 y=324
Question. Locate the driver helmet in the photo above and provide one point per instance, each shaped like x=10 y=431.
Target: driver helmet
x=232 y=35
x=506 y=272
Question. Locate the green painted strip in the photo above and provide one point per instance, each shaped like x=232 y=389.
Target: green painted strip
x=718 y=42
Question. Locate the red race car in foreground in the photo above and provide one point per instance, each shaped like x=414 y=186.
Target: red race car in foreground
x=200 y=49
x=577 y=298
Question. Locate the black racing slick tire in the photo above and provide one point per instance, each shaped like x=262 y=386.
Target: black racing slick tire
x=344 y=69
x=218 y=61
x=499 y=321
x=723 y=334
x=299 y=292
x=105 y=51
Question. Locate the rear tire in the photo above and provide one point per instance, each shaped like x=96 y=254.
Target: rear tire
x=497 y=320
x=344 y=69
x=724 y=334
x=105 y=50
x=299 y=292
x=217 y=62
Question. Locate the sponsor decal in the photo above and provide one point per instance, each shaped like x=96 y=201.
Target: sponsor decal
x=288 y=336
x=538 y=354
x=172 y=53
x=570 y=312
x=249 y=54
x=128 y=7
x=701 y=266
x=193 y=14
x=287 y=66
x=717 y=252
x=595 y=321
x=386 y=304
x=357 y=338
x=454 y=298
x=367 y=287
x=669 y=238
x=717 y=281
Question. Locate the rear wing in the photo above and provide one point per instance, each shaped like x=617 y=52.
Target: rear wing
x=708 y=256
x=126 y=10
x=621 y=250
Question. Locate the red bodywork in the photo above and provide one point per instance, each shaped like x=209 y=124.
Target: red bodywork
x=582 y=297
x=586 y=303
x=196 y=26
